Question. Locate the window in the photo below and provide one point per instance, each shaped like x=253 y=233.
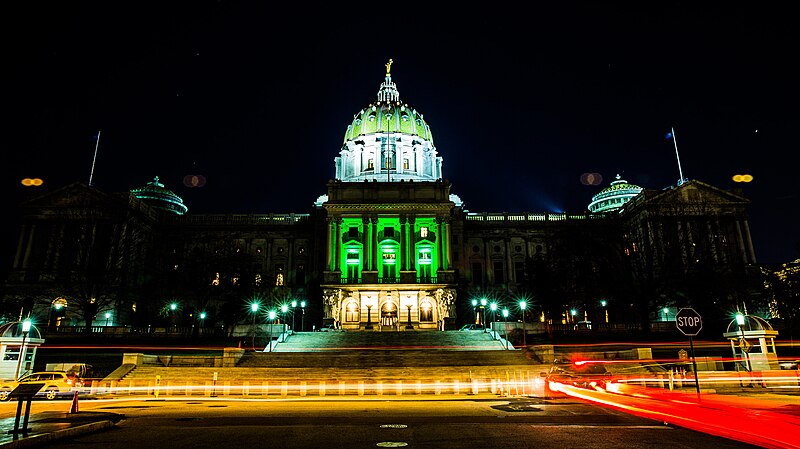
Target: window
x=352 y=232
x=405 y=164
x=519 y=271
x=425 y=311
x=280 y=280
x=477 y=273
x=280 y=250
x=476 y=249
x=370 y=164
x=425 y=256
x=498 y=273
x=259 y=250
x=301 y=274
x=496 y=248
x=351 y=312
x=388 y=232
x=301 y=250
x=423 y=232
x=257 y=280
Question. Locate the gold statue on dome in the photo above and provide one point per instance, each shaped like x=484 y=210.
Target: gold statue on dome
x=388 y=67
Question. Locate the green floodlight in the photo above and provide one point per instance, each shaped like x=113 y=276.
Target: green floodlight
x=26 y=325
x=739 y=319
x=666 y=310
x=483 y=301
x=493 y=306
x=603 y=303
x=173 y=306
x=573 y=312
x=58 y=306
x=254 y=307
x=523 y=304
x=474 y=302
x=505 y=313
x=272 y=314
x=302 y=303
x=108 y=315
x=284 y=308
x=202 y=315
x=294 y=304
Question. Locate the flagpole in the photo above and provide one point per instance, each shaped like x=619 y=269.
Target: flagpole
x=675 y=141
x=97 y=144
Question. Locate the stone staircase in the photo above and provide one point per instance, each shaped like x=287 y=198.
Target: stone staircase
x=351 y=363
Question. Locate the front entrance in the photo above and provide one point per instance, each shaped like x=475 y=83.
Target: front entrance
x=388 y=314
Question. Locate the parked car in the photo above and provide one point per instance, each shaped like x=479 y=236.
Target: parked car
x=56 y=383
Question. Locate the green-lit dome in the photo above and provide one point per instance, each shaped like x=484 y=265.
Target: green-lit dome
x=614 y=196
x=388 y=141
x=158 y=196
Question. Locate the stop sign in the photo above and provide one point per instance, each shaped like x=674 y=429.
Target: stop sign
x=688 y=321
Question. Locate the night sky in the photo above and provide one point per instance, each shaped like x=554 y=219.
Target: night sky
x=520 y=102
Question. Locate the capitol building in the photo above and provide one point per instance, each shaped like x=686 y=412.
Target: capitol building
x=388 y=246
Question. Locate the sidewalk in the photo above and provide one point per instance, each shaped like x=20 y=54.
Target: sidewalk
x=48 y=426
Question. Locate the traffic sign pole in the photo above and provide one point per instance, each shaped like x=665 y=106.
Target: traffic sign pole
x=694 y=368
x=689 y=322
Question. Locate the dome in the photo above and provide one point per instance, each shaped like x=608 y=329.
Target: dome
x=388 y=140
x=614 y=196
x=158 y=196
x=14 y=330
x=751 y=323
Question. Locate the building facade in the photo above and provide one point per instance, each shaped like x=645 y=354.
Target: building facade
x=388 y=247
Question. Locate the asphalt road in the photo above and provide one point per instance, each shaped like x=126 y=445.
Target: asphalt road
x=358 y=423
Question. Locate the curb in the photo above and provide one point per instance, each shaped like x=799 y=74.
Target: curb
x=57 y=435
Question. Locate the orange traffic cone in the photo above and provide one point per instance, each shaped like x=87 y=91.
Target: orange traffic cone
x=74 y=407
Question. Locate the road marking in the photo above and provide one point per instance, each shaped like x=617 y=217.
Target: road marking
x=393 y=426
x=392 y=444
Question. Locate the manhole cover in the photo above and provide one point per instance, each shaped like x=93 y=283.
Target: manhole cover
x=518 y=407
x=393 y=426
x=392 y=444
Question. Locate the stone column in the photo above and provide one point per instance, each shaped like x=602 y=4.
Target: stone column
x=366 y=249
x=402 y=265
x=439 y=237
x=412 y=250
x=338 y=244
x=374 y=255
x=447 y=241
x=329 y=253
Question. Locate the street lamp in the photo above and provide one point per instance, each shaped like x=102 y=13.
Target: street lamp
x=108 y=317
x=202 y=321
x=302 y=315
x=253 y=310
x=284 y=309
x=493 y=307
x=271 y=316
x=26 y=327
x=294 y=315
x=173 y=307
x=505 y=326
x=524 y=305
x=604 y=303
x=666 y=313
x=573 y=312
x=483 y=310
x=740 y=325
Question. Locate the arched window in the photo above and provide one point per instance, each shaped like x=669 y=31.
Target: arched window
x=352 y=312
x=425 y=311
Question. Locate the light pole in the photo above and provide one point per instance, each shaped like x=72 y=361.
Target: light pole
x=253 y=310
x=284 y=309
x=294 y=315
x=409 y=325
x=573 y=312
x=369 y=317
x=26 y=327
x=302 y=316
x=202 y=321
x=740 y=325
x=493 y=307
x=108 y=317
x=173 y=307
x=505 y=326
x=271 y=315
x=483 y=311
x=666 y=313
x=522 y=306
x=604 y=303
